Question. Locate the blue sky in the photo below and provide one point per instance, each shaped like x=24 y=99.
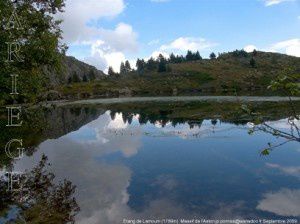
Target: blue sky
x=106 y=32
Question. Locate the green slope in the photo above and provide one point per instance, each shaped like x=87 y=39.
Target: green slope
x=231 y=73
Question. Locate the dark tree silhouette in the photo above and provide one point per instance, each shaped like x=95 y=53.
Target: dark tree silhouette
x=92 y=75
x=189 y=56
x=162 y=64
x=40 y=200
x=84 y=78
x=140 y=65
x=212 y=55
x=127 y=67
x=197 y=56
x=172 y=58
x=111 y=71
x=151 y=64
x=75 y=77
x=122 y=68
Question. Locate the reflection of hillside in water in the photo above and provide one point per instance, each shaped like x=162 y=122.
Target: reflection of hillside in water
x=101 y=150
x=40 y=124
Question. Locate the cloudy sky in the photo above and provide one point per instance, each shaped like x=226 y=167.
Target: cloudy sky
x=105 y=32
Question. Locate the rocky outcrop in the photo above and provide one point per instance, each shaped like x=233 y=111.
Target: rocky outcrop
x=72 y=70
x=76 y=67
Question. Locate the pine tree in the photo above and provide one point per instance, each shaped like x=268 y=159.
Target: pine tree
x=197 y=56
x=122 y=68
x=181 y=59
x=212 y=55
x=75 y=77
x=127 y=66
x=111 y=71
x=189 y=56
x=84 y=78
x=151 y=64
x=140 y=65
x=92 y=75
x=162 y=62
x=172 y=58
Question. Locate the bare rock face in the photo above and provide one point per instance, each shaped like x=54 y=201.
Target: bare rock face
x=76 y=67
x=72 y=70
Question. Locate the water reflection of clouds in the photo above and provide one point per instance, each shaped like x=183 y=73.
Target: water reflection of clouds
x=283 y=123
x=104 y=130
x=288 y=170
x=285 y=202
x=109 y=135
x=166 y=182
x=102 y=187
x=117 y=122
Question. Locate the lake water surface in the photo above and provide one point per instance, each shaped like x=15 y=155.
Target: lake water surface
x=170 y=160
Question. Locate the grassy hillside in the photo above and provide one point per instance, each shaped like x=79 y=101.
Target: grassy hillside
x=231 y=73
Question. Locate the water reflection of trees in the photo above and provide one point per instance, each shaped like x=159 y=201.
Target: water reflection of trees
x=258 y=116
x=39 y=199
x=194 y=113
x=161 y=118
x=44 y=123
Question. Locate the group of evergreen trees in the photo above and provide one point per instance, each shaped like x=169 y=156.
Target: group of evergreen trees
x=90 y=76
x=125 y=67
x=190 y=56
x=160 y=64
x=241 y=54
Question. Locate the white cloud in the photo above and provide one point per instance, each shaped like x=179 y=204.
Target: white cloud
x=78 y=13
x=290 y=47
x=155 y=54
x=250 y=48
x=108 y=46
x=123 y=38
x=109 y=51
x=102 y=57
x=285 y=202
x=275 y=2
x=188 y=43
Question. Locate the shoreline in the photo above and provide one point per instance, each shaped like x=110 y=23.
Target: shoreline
x=153 y=99
x=177 y=99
